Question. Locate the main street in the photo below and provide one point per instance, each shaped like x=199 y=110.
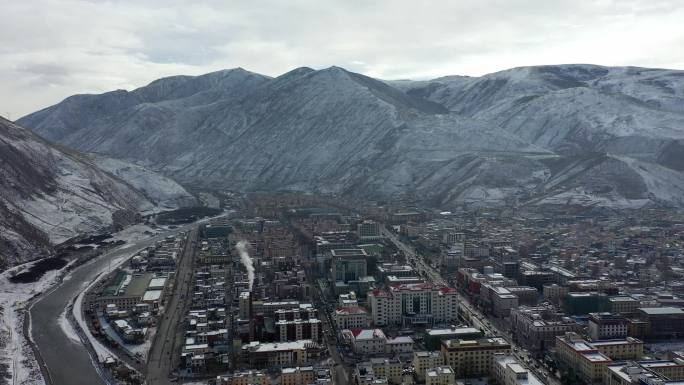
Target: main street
x=165 y=351
x=468 y=312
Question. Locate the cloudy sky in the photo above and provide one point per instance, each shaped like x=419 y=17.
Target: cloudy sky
x=52 y=49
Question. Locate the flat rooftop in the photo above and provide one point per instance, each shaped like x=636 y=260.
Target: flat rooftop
x=348 y=253
x=662 y=310
x=453 y=331
x=596 y=357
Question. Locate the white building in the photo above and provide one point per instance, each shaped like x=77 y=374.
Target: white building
x=348 y=299
x=440 y=375
x=506 y=370
x=399 y=345
x=503 y=301
x=352 y=317
x=422 y=361
x=366 y=341
x=369 y=230
x=607 y=326
x=413 y=304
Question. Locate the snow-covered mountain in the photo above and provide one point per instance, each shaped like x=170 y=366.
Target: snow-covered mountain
x=49 y=194
x=570 y=134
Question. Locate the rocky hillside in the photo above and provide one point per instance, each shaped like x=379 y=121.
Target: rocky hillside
x=49 y=194
x=573 y=134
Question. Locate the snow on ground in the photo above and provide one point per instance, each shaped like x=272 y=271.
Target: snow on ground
x=578 y=196
x=101 y=350
x=144 y=348
x=67 y=328
x=134 y=233
x=14 y=349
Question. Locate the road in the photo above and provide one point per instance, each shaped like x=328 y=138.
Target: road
x=164 y=354
x=55 y=347
x=467 y=311
x=339 y=370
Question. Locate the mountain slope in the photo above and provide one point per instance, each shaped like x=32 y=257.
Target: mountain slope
x=49 y=194
x=505 y=137
x=573 y=108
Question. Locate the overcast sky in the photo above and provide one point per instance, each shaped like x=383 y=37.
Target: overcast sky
x=52 y=49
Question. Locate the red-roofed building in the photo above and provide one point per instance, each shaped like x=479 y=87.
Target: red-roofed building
x=413 y=304
x=351 y=317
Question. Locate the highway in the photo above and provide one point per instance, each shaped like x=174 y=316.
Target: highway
x=164 y=354
x=468 y=312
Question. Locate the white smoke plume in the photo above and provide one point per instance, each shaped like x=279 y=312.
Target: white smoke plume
x=246 y=261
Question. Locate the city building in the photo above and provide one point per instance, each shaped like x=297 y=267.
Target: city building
x=366 y=341
x=399 y=345
x=433 y=337
x=536 y=328
x=506 y=370
x=440 y=375
x=622 y=304
x=348 y=264
x=620 y=349
x=369 y=230
x=351 y=317
x=663 y=322
x=300 y=375
x=390 y=368
x=424 y=360
x=554 y=293
x=657 y=372
x=472 y=357
x=586 y=361
x=299 y=329
x=246 y=377
x=583 y=303
x=606 y=326
x=413 y=304
x=279 y=354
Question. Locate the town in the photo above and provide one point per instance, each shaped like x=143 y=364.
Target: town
x=299 y=289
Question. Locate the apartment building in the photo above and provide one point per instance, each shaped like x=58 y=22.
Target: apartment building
x=366 y=341
x=369 y=230
x=472 y=357
x=660 y=372
x=299 y=329
x=585 y=360
x=440 y=375
x=351 y=317
x=413 y=304
x=606 y=326
x=620 y=349
x=246 y=377
x=536 y=327
x=506 y=370
x=279 y=354
x=422 y=361
x=390 y=368
x=622 y=304
x=300 y=375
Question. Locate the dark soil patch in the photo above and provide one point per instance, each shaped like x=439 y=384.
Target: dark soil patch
x=38 y=269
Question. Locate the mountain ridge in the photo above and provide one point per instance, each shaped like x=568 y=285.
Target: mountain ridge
x=451 y=140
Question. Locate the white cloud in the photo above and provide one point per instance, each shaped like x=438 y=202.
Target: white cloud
x=51 y=49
